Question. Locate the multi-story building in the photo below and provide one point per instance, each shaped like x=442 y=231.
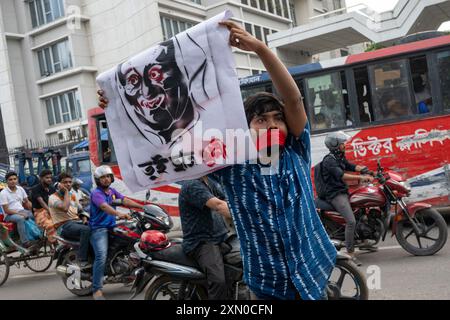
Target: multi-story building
x=52 y=50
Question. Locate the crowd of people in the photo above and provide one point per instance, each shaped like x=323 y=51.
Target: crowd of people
x=285 y=250
x=56 y=209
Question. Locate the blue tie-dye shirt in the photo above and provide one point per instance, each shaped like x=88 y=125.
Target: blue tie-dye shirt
x=283 y=242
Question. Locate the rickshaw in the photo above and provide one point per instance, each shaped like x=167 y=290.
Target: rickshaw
x=38 y=257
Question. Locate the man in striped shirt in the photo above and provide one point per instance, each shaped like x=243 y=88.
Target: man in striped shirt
x=285 y=250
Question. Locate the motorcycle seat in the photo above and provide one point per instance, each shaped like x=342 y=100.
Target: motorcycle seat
x=175 y=254
x=8 y=225
x=72 y=243
x=324 y=205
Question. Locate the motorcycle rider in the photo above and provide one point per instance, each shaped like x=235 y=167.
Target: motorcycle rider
x=64 y=208
x=203 y=208
x=102 y=219
x=335 y=168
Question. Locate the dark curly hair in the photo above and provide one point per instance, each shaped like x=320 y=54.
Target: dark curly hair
x=64 y=175
x=10 y=174
x=45 y=172
x=261 y=103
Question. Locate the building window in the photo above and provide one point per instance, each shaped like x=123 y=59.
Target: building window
x=286 y=9
x=344 y=52
x=255 y=72
x=266 y=33
x=172 y=27
x=55 y=58
x=292 y=11
x=270 y=6
x=45 y=11
x=196 y=1
x=262 y=5
x=337 y=4
x=258 y=32
x=63 y=108
x=278 y=7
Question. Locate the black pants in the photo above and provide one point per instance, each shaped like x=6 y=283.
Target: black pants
x=74 y=230
x=209 y=257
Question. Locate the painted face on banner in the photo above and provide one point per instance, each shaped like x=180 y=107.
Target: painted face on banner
x=158 y=96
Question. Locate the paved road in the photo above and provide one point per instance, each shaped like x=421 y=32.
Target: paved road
x=402 y=276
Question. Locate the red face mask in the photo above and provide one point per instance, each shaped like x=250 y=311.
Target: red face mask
x=271 y=138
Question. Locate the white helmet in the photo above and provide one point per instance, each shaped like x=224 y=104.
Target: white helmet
x=103 y=171
x=334 y=139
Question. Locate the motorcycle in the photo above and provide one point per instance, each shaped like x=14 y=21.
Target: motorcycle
x=175 y=276
x=372 y=206
x=121 y=260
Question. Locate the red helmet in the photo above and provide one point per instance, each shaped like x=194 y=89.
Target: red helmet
x=153 y=240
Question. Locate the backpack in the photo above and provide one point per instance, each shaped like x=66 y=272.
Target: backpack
x=319 y=181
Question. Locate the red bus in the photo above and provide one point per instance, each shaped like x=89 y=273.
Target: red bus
x=394 y=102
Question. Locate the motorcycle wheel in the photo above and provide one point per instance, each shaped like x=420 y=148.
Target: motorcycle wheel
x=425 y=243
x=339 y=288
x=166 y=288
x=86 y=286
x=4 y=268
x=42 y=259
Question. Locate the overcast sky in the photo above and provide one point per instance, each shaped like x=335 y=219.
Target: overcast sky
x=384 y=5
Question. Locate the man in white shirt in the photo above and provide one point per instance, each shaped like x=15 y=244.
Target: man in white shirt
x=76 y=189
x=16 y=206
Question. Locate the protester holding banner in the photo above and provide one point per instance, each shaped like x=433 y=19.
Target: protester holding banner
x=286 y=251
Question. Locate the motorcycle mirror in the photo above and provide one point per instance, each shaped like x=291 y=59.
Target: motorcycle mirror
x=380 y=169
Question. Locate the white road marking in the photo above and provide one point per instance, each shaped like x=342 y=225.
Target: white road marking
x=389 y=248
x=34 y=275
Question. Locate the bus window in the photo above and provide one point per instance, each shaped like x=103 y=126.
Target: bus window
x=300 y=84
x=421 y=83
x=364 y=96
x=249 y=91
x=390 y=90
x=443 y=59
x=106 y=148
x=326 y=101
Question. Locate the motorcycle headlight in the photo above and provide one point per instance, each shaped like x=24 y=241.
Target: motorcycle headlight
x=405 y=185
x=166 y=220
